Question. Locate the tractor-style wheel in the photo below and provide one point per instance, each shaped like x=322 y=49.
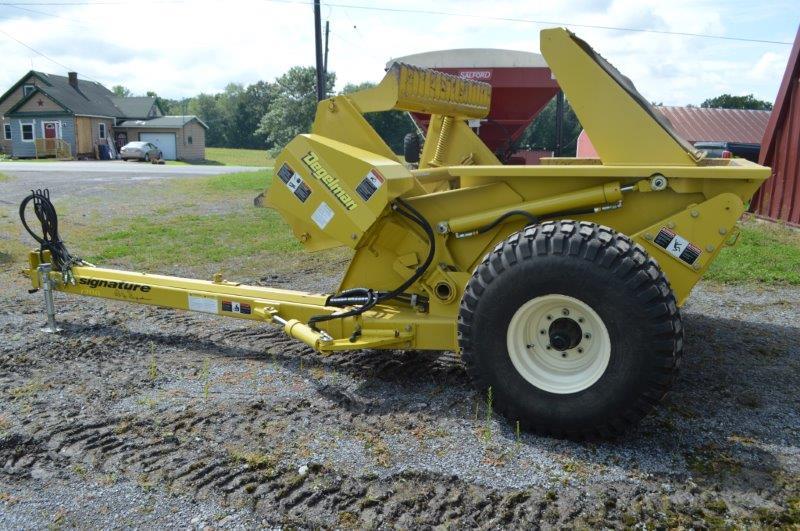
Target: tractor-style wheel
x=574 y=327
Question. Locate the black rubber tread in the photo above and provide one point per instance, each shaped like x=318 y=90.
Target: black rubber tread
x=562 y=256
x=411 y=147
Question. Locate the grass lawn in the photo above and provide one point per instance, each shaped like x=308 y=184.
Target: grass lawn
x=766 y=252
x=233 y=157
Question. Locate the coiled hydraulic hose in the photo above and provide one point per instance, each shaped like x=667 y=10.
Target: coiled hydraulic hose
x=50 y=239
x=368 y=298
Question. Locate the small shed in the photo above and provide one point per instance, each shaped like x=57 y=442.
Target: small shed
x=178 y=137
x=778 y=198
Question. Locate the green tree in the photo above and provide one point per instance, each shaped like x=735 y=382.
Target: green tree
x=160 y=102
x=121 y=91
x=258 y=99
x=728 y=101
x=292 y=110
x=392 y=126
x=206 y=107
x=541 y=134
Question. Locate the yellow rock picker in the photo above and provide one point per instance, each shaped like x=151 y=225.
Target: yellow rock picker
x=560 y=284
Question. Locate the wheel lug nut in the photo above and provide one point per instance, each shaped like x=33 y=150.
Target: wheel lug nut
x=563 y=354
x=564 y=312
x=543 y=332
x=549 y=317
x=580 y=319
x=580 y=351
x=547 y=347
x=587 y=335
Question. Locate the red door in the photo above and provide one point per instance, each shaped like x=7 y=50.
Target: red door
x=50 y=130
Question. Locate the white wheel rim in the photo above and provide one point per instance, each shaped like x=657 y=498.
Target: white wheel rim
x=558 y=371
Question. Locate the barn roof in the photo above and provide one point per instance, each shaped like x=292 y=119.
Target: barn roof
x=698 y=124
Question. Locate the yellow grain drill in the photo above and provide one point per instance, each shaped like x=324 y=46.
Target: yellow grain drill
x=560 y=283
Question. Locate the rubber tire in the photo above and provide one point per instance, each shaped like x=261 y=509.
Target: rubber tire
x=619 y=281
x=411 y=147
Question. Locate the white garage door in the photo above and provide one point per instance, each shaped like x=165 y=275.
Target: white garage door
x=164 y=141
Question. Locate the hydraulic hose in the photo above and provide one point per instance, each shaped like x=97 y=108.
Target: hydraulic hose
x=50 y=239
x=368 y=298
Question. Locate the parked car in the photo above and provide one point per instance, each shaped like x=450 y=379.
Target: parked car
x=140 y=151
x=718 y=150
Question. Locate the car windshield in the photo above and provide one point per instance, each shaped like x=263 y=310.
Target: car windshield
x=137 y=144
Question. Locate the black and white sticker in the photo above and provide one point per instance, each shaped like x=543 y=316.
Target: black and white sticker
x=677 y=246
x=294 y=182
x=370 y=184
x=236 y=307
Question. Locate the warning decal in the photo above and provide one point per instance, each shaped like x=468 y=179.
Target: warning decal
x=294 y=182
x=370 y=184
x=285 y=173
x=201 y=303
x=677 y=246
x=322 y=215
x=236 y=307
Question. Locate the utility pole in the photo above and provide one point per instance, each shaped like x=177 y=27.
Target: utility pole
x=318 y=42
x=559 y=121
x=325 y=63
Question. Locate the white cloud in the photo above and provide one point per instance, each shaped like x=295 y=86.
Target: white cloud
x=181 y=49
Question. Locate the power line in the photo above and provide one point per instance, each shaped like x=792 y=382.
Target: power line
x=37 y=52
x=73 y=21
x=533 y=21
x=425 y=12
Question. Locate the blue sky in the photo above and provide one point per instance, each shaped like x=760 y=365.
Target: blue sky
x=181 y=48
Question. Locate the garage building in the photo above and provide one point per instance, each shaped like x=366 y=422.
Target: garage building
x=178 y=137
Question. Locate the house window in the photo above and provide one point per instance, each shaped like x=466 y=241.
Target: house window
x=27 y=132
x=190 y=139
x=27 y=89
x=7 y=131
x=102 y=131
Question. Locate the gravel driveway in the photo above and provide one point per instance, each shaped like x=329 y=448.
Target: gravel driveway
x=139 y=416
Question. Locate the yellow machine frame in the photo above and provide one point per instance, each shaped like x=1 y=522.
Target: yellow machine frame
x=647 y=183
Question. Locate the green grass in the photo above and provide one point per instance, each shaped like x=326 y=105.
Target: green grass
x=766 y=252
x=233 y=157
x=192 y=239
x=251 y=182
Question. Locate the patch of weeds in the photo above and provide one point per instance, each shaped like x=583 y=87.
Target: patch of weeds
x=551 y=495
x=109 y=479
x=712 y=461
x=28 y=390
x=147 y=401
x=79 y=469
x=152 y=371
x=205 y=377
x=318 y=373
x=59 y=519
x=122 y=427
x=717 y=505
x=487 y=425
x=348 y=520
x=4 y=424
x=144 y=481
x=7 y=498
x=377 y=447
x=255 y=460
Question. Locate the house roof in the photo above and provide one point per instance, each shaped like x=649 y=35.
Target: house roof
x=698 y=124
x=135 y=106
x=91 y=98
x=163 y=122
